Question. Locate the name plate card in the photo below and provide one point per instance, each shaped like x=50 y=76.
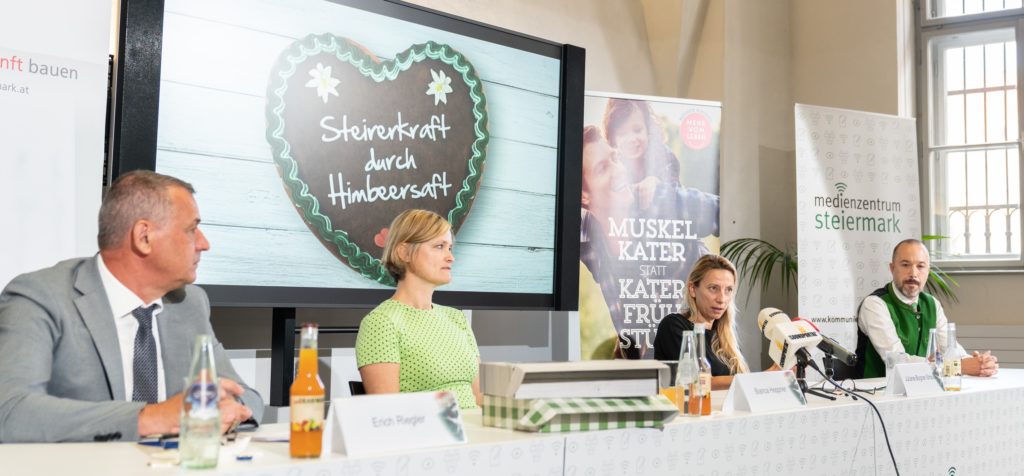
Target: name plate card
x=915 y=380
x=763 y=392
x=370 y=424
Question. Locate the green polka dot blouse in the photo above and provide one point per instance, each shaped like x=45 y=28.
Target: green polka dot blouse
x=435 y=348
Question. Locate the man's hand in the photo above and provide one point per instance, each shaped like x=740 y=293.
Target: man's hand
x=229 y=389
x=981 y=364
x=232 y=412
x=161 y=418
x=165 y=417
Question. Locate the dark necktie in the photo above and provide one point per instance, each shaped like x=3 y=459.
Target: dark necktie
x=144 y=367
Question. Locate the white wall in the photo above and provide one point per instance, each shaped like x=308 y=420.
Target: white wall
x=845 y=54
x=612 y=32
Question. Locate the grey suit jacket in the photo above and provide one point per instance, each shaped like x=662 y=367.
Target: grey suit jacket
x=61 y=377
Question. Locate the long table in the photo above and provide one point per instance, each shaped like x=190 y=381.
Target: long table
x=979 y=430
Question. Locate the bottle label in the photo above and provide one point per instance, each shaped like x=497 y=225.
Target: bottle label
x=307 y=412
x=705 y=384
x=951 y=368
x=201 y=398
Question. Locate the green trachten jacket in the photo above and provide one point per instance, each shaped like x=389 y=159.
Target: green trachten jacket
x=912 y=325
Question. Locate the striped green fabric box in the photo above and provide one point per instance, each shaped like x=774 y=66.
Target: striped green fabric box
x=551 y=415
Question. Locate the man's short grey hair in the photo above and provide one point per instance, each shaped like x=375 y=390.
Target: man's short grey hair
x=136 y=195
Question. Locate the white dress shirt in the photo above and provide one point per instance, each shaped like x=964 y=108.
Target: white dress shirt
x=122 y=302
x=876 y=323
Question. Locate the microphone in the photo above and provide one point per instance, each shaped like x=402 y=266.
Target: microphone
x=832 y=347
x=829 y=346
x=788 y=339
x=770 y=316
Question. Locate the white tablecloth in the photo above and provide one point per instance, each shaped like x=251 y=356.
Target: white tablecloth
x=978 y=431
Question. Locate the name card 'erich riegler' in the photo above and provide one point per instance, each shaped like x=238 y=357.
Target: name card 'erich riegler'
x=370 y=424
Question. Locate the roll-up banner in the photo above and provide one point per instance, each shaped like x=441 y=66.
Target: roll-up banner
x=857 y=196
x=650 y=209
x=53 y=92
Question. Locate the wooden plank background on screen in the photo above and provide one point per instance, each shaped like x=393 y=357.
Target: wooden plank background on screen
x=216 y=65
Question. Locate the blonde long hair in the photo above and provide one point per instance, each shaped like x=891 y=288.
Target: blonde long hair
x=726 y=343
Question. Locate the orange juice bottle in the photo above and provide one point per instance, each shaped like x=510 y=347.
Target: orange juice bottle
x=307 y=400
x=702 y=402
x=686 y=377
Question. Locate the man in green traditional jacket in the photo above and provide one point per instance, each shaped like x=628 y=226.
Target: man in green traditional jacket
x=899 y=316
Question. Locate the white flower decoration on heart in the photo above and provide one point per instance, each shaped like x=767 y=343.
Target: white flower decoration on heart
x=323 y=82
x=439 y=87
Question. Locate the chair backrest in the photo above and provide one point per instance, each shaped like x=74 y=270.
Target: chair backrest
x=355 y=387
x=863 y=341
x=862 y=351
x=843 y=372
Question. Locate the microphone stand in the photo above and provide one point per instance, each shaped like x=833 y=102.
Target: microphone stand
x=829 y=362
x=830 y=366
x=802 y=361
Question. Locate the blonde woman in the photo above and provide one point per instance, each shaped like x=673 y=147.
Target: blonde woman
x=709 y=293
x=408 y=343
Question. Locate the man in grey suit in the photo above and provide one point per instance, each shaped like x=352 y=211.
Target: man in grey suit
x=97 y=349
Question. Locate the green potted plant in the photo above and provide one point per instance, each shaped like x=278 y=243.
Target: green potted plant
x=760 y=260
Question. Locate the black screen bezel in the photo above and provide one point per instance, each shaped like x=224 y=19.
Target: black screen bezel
x=133 y=139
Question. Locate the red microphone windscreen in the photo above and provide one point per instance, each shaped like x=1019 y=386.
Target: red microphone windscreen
x=808 y=323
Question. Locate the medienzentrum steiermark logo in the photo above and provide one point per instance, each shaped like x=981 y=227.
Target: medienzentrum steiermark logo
x=843 y=212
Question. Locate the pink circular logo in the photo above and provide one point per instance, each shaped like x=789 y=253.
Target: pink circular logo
x=695 y=129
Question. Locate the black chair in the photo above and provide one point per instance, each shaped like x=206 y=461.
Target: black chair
x=862 y=351
x=356 y=387
x=843 y=372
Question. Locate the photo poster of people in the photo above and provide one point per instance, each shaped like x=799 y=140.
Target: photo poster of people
x=649 y=210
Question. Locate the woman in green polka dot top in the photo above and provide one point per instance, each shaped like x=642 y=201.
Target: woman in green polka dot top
x=408 y=343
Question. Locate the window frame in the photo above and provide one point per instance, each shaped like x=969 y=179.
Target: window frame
x=925 y=22
x=928 y=30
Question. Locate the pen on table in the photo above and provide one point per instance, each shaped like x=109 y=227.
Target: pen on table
x=163 y=441
x=232 y=432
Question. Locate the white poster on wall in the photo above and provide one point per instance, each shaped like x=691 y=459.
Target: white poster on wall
x=857 y=196
x=53 y=92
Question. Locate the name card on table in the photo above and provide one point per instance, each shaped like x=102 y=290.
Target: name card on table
x=915 y=380
x=763 y=392
x=369 y=424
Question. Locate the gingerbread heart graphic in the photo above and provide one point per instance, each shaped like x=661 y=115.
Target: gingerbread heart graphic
x=357 y=140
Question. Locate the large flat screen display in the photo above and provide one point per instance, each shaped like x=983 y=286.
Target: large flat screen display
x=306 y=126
